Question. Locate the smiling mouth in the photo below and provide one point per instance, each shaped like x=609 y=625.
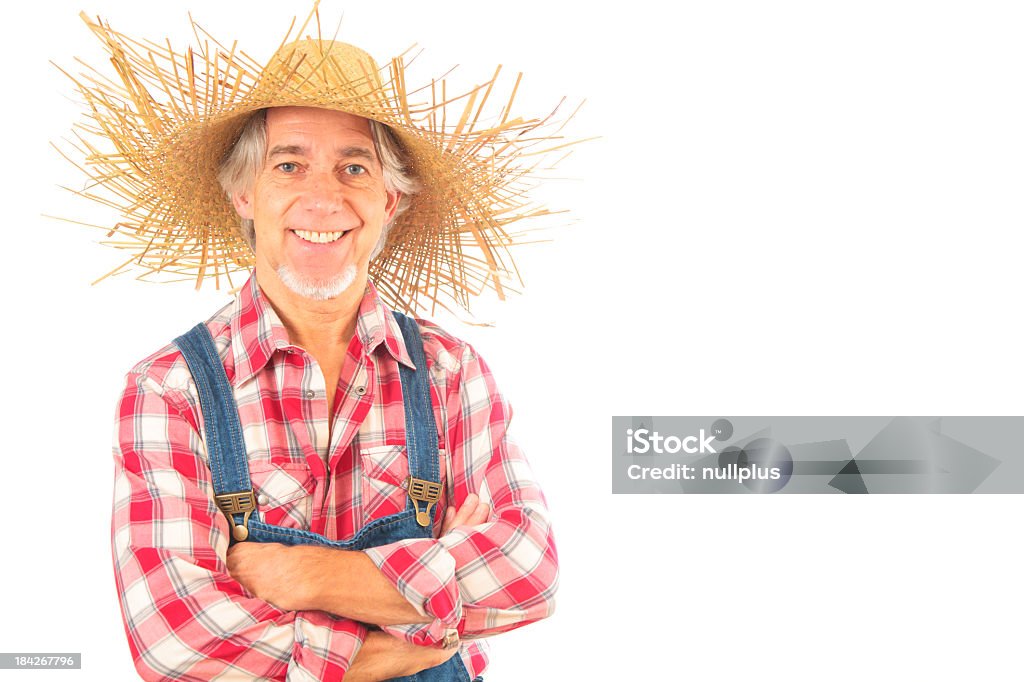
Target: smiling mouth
x=320 y=237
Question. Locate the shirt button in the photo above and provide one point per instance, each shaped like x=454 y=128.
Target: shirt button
x=360 y=390
x=310 y=394
x=263 y=499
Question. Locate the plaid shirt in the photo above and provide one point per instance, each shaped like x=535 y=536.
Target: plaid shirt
x=187 y=619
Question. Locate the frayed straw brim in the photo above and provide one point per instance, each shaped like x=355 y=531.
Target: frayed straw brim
x=170 y=117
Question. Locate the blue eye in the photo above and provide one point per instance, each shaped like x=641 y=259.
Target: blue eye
x=354 y=169
x=288 y=167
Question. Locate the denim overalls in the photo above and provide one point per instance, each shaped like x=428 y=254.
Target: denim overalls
x=230 y=468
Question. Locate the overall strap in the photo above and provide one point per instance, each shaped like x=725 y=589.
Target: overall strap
x=424 y=483
x=224 y=444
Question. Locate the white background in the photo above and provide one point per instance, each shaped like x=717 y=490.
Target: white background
x=794 y=208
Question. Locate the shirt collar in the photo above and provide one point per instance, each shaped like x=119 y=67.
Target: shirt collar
x=258 y=331
x=376 y=326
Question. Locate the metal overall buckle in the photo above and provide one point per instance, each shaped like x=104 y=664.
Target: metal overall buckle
x=423 y=491
x=237 y=503
x=451 y=639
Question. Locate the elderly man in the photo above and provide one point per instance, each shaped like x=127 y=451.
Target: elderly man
x=308 y=485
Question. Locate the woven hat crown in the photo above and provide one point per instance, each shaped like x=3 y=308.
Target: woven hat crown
x=349 y=73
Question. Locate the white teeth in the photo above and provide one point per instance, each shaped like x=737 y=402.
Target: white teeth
x=319 y=237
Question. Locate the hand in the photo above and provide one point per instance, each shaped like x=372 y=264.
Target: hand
x=472 y=512
x=383 y=657
x=272 y=572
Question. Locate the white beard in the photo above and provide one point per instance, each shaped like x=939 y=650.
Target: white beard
x=318 y=289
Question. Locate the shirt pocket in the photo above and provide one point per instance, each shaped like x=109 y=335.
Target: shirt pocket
x=284 y=493
x=385 y=469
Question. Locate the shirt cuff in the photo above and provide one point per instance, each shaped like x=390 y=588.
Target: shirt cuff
x=423 y=571
x=325 y=646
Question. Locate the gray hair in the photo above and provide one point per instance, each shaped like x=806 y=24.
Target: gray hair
x=243 y=160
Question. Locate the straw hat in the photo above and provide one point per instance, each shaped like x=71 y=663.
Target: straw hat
x=154 y=137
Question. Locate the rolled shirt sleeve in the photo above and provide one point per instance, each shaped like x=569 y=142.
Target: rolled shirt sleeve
x=185 y=617
x=485 y=579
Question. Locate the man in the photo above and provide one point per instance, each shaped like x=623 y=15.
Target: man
x=308 y=486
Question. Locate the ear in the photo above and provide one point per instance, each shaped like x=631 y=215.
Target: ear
x=243 y=204
x=391 y=207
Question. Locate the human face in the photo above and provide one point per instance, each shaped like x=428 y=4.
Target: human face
x=319 y=203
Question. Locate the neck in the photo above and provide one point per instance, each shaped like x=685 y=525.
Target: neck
x=320 y=327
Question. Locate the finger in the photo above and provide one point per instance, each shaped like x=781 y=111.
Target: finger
x=466 y=510
x=480 y=515
x=446 y=524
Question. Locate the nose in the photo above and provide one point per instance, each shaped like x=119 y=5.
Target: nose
x=324 y=195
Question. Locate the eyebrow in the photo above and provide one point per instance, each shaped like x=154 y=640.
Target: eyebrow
x=344 y=152
x=286 y=149
x=359 y=152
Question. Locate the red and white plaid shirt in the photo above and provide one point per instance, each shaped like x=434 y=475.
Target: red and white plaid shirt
x=187 y=619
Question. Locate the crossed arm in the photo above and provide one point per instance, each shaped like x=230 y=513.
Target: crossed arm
x=349 y=584
x=344 y=583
